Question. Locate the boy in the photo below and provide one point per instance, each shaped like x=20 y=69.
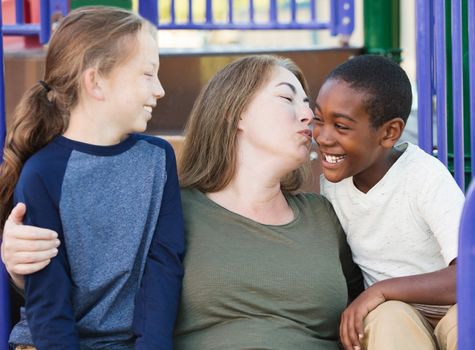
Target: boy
x=399 y=207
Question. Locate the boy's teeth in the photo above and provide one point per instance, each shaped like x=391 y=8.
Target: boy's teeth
x=148 y=108
x=334 y=159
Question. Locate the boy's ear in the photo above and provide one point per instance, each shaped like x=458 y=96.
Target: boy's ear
x=391 y=132
x=92 y=83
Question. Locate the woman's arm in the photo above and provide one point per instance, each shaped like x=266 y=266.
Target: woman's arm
x=26 y=249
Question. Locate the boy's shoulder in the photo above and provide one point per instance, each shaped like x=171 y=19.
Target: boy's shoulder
x=420 y=167
x=414 y=157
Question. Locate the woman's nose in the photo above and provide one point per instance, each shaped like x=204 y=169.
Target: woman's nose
x=306 y=115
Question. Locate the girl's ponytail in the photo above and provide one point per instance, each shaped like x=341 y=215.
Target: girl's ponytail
x=37 y=120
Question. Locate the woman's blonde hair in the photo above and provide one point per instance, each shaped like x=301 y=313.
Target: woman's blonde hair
x=101 y=37
x=208 y=158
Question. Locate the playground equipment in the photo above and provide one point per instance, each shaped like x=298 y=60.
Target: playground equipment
x=444 y=25
x=439 y=75
x=466 y=274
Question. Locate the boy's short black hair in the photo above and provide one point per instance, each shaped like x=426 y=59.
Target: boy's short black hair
x=386 y=84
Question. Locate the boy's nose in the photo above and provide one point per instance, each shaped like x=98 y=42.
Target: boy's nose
x=322 y=135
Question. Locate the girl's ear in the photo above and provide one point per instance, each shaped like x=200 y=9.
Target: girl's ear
x=92 y=83
x=391 y=132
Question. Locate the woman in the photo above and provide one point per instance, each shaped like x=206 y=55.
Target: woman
x=265 y=268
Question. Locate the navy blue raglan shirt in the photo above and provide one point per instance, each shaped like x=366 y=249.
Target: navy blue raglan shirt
x=118 y=214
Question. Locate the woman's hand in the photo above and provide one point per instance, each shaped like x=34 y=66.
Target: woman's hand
x=351 y=325
x=26 y=249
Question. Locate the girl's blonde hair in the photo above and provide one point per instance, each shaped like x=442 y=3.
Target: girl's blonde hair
x=100 y=37
x=208 y=158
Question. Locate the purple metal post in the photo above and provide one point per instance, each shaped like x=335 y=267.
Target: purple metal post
x=333 y=17
x=440 y=64
x=59 y=6
x=457 y=91
x=273 y=11
x=4 y=289
x=209 y=11
x=21 y=29
x=346 y=22
x=465 y=273
x=45 y=21
x=149 y=10
x=3 y=123
x=172 y=11
x=423 y=75
x=251 y=11
x=190 y=11
x=19 y=11
x=293 y=11
x=230 y=11
x=471 y=55
x=313 y=11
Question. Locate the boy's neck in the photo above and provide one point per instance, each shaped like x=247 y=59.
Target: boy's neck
x=378 y=171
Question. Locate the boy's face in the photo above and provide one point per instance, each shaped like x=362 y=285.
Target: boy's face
x=347 y=142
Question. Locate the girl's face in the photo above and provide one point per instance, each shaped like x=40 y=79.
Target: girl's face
x=132 y=88
x=275 y=124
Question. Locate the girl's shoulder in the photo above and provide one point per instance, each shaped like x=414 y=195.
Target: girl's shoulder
x=154 y=140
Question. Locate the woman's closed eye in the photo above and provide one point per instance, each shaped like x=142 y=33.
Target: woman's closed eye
x=288 y=98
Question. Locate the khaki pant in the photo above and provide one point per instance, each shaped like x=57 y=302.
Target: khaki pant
x=24 y=347
x=397 y=325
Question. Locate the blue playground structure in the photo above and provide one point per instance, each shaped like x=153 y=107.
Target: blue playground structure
x=445 y=38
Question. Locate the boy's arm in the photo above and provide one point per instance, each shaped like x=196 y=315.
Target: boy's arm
x=437 y=288
x=158 y=298
x=47 y=292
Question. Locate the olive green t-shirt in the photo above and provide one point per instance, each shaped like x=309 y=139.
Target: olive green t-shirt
x=254 y=286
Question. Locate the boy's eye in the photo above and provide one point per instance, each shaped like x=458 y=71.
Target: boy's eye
x=317 y=120
x=341 y=126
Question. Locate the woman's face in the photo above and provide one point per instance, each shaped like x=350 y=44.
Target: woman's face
x=276 y=123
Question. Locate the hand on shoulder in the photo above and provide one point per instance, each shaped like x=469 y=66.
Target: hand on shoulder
x=26 y=249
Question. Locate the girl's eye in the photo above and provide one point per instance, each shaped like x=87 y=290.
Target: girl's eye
x=149 y=74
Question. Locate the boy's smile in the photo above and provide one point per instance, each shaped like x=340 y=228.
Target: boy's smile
x=348 y=143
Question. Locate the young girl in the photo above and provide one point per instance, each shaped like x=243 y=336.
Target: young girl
x=111 y=195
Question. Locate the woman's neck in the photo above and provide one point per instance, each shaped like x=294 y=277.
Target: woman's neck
x=255 y=195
